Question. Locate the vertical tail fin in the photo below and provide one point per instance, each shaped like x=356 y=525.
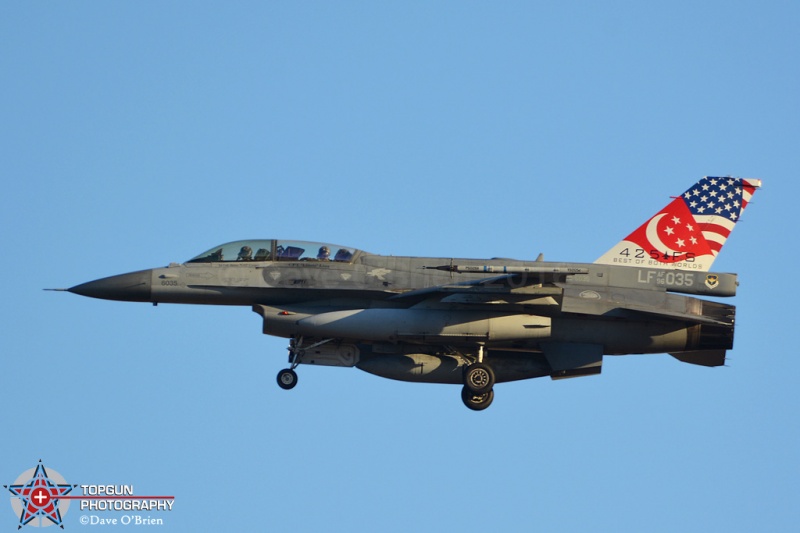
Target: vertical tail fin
x=689 y=232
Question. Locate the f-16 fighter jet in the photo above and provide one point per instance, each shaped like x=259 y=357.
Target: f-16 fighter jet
x=475 y=322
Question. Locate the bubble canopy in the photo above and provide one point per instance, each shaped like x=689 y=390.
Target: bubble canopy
x=275 y=250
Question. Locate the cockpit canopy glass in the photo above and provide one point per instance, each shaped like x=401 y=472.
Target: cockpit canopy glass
x=272 y=250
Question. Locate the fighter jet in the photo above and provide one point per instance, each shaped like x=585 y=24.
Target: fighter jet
x=475 y=322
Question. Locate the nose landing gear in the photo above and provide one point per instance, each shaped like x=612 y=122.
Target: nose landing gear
x=287 y=378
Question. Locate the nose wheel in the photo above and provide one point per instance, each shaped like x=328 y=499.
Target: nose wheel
x=287 y=379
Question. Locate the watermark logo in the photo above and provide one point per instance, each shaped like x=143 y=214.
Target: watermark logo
x=38 y=497
x=41 y=497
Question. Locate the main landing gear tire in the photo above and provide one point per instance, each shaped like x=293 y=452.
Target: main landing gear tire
x=479 y=378
x=287 y=379
x=476 y=402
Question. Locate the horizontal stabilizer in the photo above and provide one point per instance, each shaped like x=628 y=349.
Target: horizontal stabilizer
x=657 y=304
x=702 y=357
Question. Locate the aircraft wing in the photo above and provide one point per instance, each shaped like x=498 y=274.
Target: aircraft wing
x=506 y=293
x=511 y=290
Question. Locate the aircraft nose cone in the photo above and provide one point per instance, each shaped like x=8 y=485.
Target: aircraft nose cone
x=132 y=287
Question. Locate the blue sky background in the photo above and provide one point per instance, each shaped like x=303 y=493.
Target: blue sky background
x=135 y=134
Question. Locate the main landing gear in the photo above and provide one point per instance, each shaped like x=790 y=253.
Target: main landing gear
x=479 y=380
x=476 y=402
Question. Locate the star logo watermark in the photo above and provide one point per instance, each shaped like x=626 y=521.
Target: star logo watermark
x=37 y=497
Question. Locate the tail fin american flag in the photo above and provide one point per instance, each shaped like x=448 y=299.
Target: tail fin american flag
x=690 y=231
x=717 y=204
